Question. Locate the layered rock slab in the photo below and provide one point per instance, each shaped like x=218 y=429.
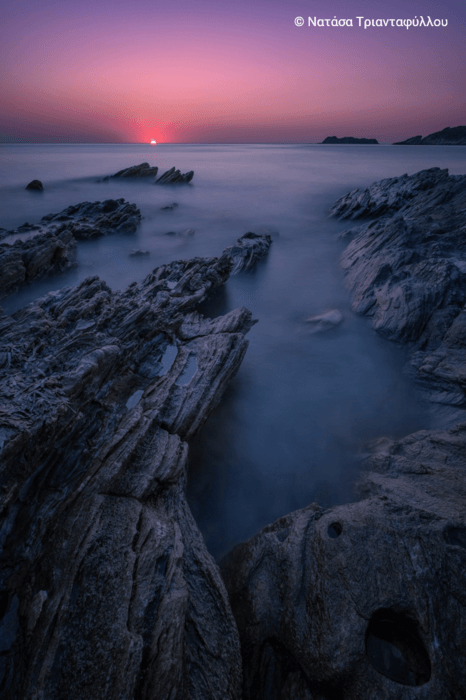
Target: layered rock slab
x=107 y=589
x=366 y=599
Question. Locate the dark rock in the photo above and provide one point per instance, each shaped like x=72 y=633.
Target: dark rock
x=107 y=589
x=138 y=253
x=169 y=207
x=141 y=170
x=249 y=249
x=174 y=177
x=366 y=599
x=451 y=136
x=52 y=248
x=348 y=139
x=407 y=271
x=35 y=185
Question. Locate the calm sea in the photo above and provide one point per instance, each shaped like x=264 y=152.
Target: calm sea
x=302 y=407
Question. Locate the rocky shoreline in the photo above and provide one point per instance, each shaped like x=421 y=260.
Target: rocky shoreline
x=107 y=589
x=368 y=599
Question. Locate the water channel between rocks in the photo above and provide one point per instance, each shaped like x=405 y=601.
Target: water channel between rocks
x=303 y=405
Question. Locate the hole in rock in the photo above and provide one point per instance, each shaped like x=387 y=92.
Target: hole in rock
x=455 y=536
x=395 y=649
x=334 y=530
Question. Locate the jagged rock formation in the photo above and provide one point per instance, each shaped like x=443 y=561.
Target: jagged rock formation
x=366 y=599
x=170 y=177
x=451 y=136
x=407 y=271
x=348 y=139
x=51 y=248
x=106 y=587
x=249 y=249
x=35 y=185
x=175 y=177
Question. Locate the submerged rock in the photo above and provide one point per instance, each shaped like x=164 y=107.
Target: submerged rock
x=138 y=253
x=407 y=271
x=249 y=249
x=169 y=207
x=366 y=599
x=325 y=322
x=35 y=185
x=107 y=588
x=51 y=248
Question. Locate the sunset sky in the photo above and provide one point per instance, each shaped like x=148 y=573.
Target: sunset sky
x=206 y=71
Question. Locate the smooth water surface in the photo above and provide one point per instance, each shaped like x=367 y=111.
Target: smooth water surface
x=302 y=406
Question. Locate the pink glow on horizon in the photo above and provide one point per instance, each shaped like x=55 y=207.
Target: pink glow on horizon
x=114 y=72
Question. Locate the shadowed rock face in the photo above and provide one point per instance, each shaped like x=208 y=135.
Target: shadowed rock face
x=407 y=271
x=106 y=587
x=51 y=248
x=366 y=599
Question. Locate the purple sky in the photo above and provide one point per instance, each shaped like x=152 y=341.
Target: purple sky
x=187 y=71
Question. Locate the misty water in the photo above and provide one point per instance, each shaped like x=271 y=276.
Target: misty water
x=303 y=406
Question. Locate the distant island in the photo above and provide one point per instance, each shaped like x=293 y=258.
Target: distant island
x=348 y=139
x=451 y=136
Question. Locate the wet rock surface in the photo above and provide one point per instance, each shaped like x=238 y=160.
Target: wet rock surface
x=368 y=599
x=107 y=589
x=50 y=245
